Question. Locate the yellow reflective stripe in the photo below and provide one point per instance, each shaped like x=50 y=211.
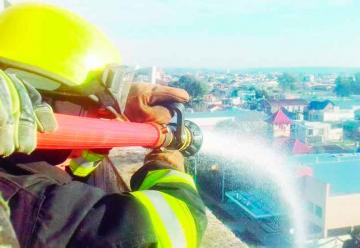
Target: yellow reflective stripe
x=91 y=156
x=82 y=169
x=177 y=176
x=167 y=227
x=166 y=176
x=152 y=178
x=185 y=218
x=85 y=164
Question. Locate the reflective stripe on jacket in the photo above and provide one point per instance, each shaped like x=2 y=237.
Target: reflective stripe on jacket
x=171 y=218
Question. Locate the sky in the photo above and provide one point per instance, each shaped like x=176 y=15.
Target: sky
x=228 y=33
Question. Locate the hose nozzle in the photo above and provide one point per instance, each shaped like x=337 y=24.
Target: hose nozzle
x=184 y=135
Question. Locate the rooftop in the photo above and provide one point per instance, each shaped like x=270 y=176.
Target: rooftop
x=299 y=147
x=341 y=171
x=293 y=146
x=319 y=105
x=288 y=102
x=279 y=118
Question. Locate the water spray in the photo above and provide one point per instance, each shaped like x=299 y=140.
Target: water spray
x=261 y=163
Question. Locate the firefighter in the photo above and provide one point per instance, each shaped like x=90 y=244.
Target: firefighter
x=76 y=68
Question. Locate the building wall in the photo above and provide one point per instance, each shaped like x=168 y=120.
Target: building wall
x=281 y=130
x=335 y=134
x=310 y=132
x=298 y=132
x=290 y=108
x=316 y=132
x=315 y=196
x=335 y=115
x=314 y=115
x=343 y=211
x=295 y=108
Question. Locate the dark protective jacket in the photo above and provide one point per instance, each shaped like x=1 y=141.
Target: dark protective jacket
x=49 y=208
x=7 y=234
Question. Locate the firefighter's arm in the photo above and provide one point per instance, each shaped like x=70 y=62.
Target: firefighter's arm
x=164 y=210
x=171 y=199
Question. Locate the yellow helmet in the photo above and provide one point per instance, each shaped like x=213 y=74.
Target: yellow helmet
x=55 y=43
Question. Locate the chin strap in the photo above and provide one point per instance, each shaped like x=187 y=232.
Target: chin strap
x=117 y=80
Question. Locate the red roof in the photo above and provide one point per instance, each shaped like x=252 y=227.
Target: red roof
x=279 y=118
x=291 y=145
x=304 y=171
x=300 y=148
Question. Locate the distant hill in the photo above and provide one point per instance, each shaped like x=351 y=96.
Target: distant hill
x=305 y=70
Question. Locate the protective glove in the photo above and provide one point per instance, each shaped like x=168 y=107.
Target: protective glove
x=22 y=113
x=171 y=158
x=144 y=99
x=137 y=102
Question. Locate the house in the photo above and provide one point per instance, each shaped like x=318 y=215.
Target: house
x=316 y=133
x=280 y=124
x=332 y=148
x=326 y=111
x=337 y=115
x=329 y=191
x=332 y=193
x=315 y=110
x=291 y=146
x=295 y=106
x=321 y=105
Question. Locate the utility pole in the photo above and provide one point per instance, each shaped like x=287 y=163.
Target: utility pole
x=153 y=74
x=4 y=4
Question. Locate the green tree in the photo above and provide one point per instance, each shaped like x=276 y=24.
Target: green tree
x=196 y=88
x=259 y=93
x=344 y=86
x=234 y=93
x=357 y=77
x=287 y=81
x=356 y=84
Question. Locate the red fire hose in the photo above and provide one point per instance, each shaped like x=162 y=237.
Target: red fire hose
x=76 y=132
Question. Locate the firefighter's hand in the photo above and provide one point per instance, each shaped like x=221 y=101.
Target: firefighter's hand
x=22 y=113
x=144 y=99
x=172 y=158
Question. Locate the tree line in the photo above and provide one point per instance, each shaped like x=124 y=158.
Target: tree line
x=195 y=87
x=346 y=86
